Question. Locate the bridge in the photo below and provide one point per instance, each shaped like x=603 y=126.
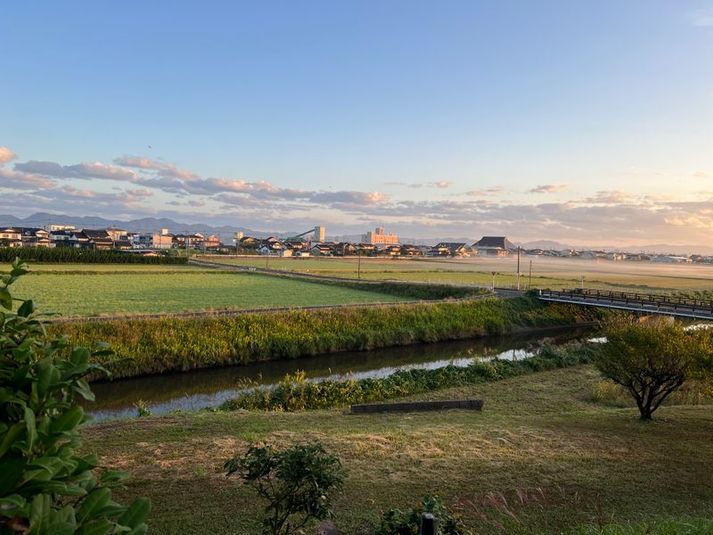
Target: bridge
x=664 y=305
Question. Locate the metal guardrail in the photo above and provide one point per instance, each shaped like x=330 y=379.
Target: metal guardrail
x=635 y=302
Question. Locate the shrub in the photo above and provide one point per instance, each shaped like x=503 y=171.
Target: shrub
x=651 y=360
x=408 y=521
x=297 y=483
x=46 y=487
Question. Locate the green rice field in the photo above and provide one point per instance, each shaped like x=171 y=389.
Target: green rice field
x=83 y=290
x=547 y=272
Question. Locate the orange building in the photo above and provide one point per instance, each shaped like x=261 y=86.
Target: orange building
x=379 y=237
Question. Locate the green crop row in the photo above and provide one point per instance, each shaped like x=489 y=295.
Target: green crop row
x=84 y=256
x=295 y=392
x=150 y=346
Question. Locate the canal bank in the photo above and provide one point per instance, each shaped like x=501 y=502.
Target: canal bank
x=169 y=344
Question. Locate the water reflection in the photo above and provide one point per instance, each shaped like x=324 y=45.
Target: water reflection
x=201 y=389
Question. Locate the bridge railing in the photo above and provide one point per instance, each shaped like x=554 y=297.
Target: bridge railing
x=631 y=298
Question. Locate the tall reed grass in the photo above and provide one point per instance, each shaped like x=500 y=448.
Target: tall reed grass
x=151 y=346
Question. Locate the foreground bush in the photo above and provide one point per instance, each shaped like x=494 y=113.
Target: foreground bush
x=652 y=360
x=83 y=256
x=46 y=487
x=408 y=521
x=295 y=392
x=145 y=346
x=298 y=484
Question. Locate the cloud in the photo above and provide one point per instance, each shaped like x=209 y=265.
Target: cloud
x=163 y=169
x=6 y=155
x=10 y=178
x=485 y=192
x=549 y=188
x=441 y=184
x=702 y=17
x=609 y=197
x=83 y=170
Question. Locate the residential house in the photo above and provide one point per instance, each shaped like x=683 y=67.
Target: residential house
x=64 y=238
x=451 y=249
x=10 y=237
x=194 y=241
x=345 y=249
x=161 y=240
x=94 y=239
x=212 y=242
x=34 y=237
x=322 y=249
x=411 y=250
x=494 y=246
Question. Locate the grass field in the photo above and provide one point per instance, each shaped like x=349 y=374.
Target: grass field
x=541 y=458
x=546 y=272
x=78 y=290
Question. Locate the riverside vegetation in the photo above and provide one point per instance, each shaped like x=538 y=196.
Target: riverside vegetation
x=149 y=346
x=295 y=392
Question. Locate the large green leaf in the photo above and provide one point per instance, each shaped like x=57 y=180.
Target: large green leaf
x=93 y=503
x=5 y=298
x=136 y=514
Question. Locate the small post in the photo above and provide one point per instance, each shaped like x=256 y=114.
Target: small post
x=493 y=274
x=359 y=264
x=529 y=282
x=429 y=524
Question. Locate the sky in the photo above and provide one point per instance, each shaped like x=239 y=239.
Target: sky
x=585 y=122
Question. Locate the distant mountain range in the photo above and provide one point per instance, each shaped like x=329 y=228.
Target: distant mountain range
x=146 y=224
x=153 y=224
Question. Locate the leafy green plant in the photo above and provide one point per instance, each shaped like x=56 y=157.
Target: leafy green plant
x=46 y=486
x=142 y=408
x=408 y=521
x=297 y=482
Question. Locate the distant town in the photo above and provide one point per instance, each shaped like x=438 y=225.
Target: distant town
x=310 y=243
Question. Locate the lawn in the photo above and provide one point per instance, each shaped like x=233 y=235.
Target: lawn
x=90 y=290
x=540 y=458
x=546 y=272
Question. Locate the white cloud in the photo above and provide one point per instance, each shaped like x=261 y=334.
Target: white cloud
x=702 y=17
x=6 y=155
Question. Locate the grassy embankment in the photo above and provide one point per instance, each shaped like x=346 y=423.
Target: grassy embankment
x=145 y=346
x=542 y=457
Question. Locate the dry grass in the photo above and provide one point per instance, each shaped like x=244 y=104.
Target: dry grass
x=540 y=458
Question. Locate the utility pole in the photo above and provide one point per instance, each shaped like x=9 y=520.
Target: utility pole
x=518 y=268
